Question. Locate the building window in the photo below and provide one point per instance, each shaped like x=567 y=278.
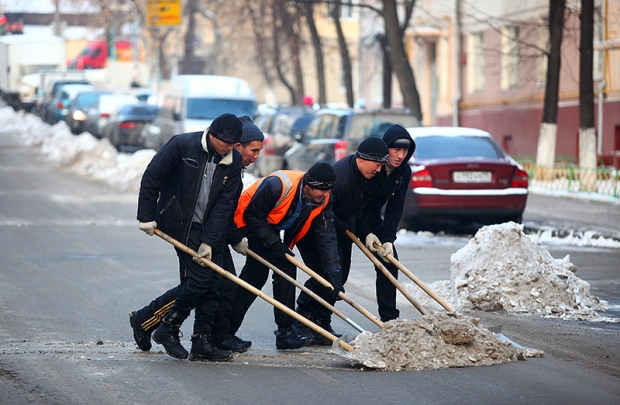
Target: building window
x=510 y=57
x=348 y=9
x=543 y=43
x=475 y=63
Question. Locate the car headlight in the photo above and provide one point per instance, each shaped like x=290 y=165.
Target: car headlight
x=79 y=115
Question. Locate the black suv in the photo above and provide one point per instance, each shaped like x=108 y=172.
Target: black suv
x=335 y=133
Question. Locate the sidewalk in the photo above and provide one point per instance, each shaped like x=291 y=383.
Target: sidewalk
x=578 y=195
x=563 y=214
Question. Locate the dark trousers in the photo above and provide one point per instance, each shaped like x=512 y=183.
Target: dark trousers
x=256 y=274
x=228 y=291
x=198 y=289
x=151 y=315
x=309 y=254
x=386 y=291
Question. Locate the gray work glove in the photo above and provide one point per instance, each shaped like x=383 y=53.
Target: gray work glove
x=148 y=227
x=241 y=247
x=204 y=252
x=371 y=239
x=386 y=250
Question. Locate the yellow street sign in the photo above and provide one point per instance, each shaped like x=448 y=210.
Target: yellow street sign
x=163 y=12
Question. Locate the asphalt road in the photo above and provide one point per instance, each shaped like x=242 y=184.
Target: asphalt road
x=74 y=264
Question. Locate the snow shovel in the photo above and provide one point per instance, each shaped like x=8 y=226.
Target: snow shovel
x=342 y=295
x=419 y=282
x=306 y=290
x=254 y=290
x=385 y=272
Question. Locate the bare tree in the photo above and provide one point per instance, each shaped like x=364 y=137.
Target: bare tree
x=344 y=53
x=387 y=72
x=190 y=64
x=587 y=134
x=545 y=156
x=318 y=51
x=394 y=31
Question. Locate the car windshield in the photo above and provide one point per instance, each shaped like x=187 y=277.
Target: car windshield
x=209 y=108
x=367 y=125
x=147 y=112
x=441 y=147
x=84 y=100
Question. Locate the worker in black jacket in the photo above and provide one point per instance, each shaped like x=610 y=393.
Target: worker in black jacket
x=145 y=320
x=189 y=190
x=378 y=230
x=355 y=184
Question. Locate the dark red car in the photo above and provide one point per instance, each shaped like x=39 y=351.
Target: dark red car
x=462 y=175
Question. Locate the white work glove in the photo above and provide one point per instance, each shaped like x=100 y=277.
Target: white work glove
x=386 y=249
x=241 y=247
x=204 y=252
x=371 y=239
x=148 y=227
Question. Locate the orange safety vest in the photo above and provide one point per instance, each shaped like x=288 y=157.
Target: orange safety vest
x=291 y=179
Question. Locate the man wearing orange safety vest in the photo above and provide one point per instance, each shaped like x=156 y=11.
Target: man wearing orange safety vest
x=293 y=202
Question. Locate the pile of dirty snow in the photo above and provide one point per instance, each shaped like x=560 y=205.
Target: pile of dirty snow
x=439 y=340
x=501 y=268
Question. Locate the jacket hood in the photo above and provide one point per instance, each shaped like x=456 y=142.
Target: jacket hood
x=398 y=132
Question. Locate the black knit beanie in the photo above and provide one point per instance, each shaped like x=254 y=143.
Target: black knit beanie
x=251 y=132
x=320 y=176
x=227 y=128
x=374 y=149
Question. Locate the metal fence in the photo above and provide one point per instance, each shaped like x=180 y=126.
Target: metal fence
x=571 y=178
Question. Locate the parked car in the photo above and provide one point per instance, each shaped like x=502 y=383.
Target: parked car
x=124 y=128
x=335 y=133
x=99 y=114
x=462 y=175
x=277 y=125
x=50 y=93
x=58 y=108
x=76 y=113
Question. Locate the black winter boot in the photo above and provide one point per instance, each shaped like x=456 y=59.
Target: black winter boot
x=321 y=340
x=234 y=343
x=204 y=348
x=289 y=338
x=142 y=337
x=300 y=327
x=167 y=335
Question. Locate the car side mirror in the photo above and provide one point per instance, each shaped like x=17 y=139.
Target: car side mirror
x=299 y=137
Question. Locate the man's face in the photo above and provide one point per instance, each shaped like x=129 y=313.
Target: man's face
x=249 y=152
x=220 y=147
x=397 y=156
x=368 y=168
x=315 y=195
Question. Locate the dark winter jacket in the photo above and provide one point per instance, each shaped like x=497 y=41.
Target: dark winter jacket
x=390 y=192
x=171 y=183
x=264 y=200
x=351 y=194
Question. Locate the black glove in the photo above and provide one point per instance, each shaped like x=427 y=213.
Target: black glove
x=279 y=250
x=335 y=279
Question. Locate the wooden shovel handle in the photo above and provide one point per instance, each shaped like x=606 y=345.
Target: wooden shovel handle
x=253 y=290
x=386 y=273
x=342 y=295
x=304 y=289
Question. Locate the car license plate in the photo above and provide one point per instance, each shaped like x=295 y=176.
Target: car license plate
x=471 y=177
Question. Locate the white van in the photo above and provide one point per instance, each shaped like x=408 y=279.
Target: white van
x=191 y=103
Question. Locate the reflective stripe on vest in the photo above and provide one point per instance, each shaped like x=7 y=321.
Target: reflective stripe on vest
x=290 y=182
